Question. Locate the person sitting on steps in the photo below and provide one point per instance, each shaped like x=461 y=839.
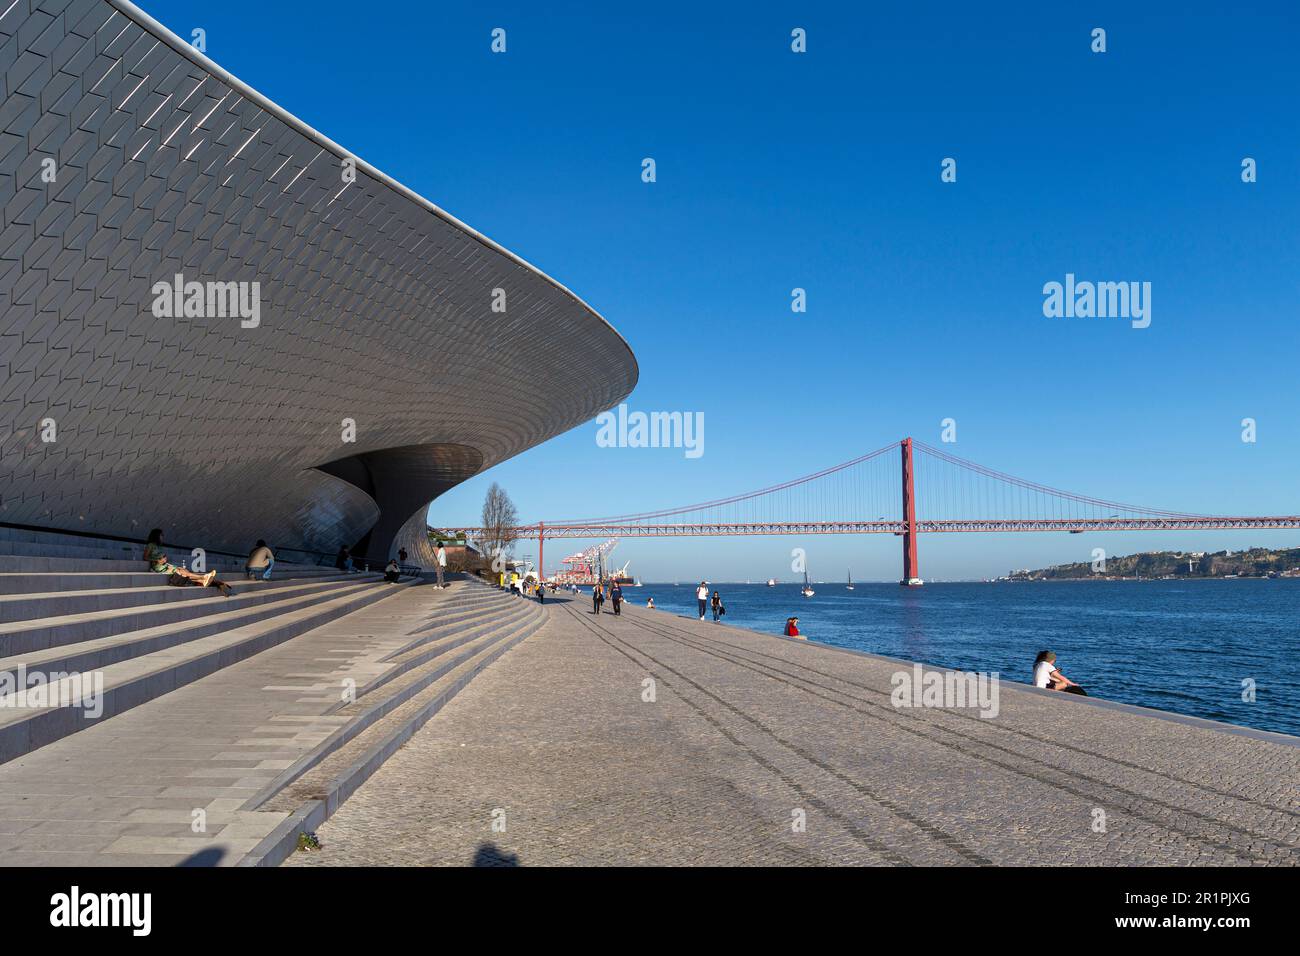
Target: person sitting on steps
x=260 y=562
x=159 y=564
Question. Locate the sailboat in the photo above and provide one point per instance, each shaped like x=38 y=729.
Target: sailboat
x=850 y=585
x=771 y=582
x=807 y=588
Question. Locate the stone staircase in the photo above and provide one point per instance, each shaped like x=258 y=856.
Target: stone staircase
x=418 y=678
x=136 y=666
x=78 y=606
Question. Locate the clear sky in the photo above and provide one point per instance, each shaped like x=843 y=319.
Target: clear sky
x=821 y=170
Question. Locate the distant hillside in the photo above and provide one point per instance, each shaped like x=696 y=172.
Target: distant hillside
x=1255 y=563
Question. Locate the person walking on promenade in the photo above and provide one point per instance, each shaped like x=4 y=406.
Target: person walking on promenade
x=160 y=564
x=541 y=593
x=597 y=598
x=1046 y=675
x=440 y=563
x=718 y=609
x=702 y=598
x=616 y=595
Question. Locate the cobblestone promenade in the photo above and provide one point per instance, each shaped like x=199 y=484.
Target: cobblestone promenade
x=759 y=750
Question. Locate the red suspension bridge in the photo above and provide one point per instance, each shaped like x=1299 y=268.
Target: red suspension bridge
x=932 y=492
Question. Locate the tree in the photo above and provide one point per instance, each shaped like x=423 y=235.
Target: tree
x=499 y=521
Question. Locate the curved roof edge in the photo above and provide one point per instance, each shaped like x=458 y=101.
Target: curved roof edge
x=187 y=50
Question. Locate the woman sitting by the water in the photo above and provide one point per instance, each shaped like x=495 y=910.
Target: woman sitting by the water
x=1046 y=675
x=792 y=627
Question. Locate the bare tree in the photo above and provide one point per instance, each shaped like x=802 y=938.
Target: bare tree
x=499 y=521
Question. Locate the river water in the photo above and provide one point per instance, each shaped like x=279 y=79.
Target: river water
x=1184 y=646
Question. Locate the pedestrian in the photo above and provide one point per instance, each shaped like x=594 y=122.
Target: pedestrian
x=440 y=563
x=616 y=595
x=597 y=597
x=718 y=609
x=541 y=593
x=401 y=555
x=702 y=598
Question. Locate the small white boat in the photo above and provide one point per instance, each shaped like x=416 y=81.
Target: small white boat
x=807 y=588
x=771 y=582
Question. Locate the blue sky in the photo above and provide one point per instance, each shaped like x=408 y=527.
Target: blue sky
x=822 y=171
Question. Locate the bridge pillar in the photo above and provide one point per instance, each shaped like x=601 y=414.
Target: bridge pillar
x=541 y=543
x=911 y=570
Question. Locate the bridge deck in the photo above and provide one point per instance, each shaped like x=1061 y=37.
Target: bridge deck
x=749 y=728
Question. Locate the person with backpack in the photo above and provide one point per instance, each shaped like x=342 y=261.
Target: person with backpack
x=718 y=609
x=616 y=595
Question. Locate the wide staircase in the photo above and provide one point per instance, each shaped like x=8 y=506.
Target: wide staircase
x=161 y=696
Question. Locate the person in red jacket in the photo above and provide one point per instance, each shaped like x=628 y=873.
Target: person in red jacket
x=792 y=627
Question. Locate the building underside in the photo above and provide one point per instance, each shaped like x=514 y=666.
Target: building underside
x=373 y=374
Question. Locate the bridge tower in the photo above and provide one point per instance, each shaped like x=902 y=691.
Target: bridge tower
x=911 y=571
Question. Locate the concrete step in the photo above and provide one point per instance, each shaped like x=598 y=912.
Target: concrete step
x=40 y=560
x=55 y=544
x=20 y=637
x=440 y=642
x=45 y=582
x=318 y=784
x=27 y=606
x=18 y=544
x=84 y=656
x=462 y=615
x=32 y=723
x=41 y=549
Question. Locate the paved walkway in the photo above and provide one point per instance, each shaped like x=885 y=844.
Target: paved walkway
x=127 y=792
x=749 y=734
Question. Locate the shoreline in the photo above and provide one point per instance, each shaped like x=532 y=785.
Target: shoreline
x=1272 y=736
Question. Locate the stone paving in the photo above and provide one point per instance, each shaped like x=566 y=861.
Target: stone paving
x=553 y=756
x=125 y=791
